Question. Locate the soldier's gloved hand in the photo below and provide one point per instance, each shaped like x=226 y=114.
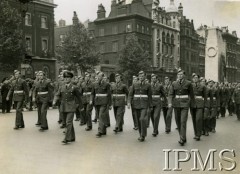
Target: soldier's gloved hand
x=128 y=105
x=169 y=105
x=7 y=98
x=34 y=99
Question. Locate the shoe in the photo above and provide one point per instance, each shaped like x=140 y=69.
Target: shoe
x=206 y=134
x=203 y=132
x=43 y=129
x=16 y=127
x=82 y=123
x=59 y=121
x=167 y=131
x=65 y=141
x=181 y=142
x=197 y=138
x=99 y=134
x=63 y=126
x=38 y=124
x=213 y=131
x=72 y=140
x=88 y=128
x=23 y=126
x=155 y=134
x=115 y=130
x=95 y=120
x=141 y=139
x=120 y=130
x=135 y=128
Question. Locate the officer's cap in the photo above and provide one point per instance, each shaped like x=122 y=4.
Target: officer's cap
x=87 y=74
x=181 y=71
x=166 y=77
x=16 y=71
x=141 y=72
x=67 y=74
x=41 y=72
x=195 y=75
x=153 y=75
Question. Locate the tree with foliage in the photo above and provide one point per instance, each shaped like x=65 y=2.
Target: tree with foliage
x=133 y=58
x=78 y=51
x=11 y=38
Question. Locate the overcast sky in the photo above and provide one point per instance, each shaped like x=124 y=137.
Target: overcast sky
x=209 y=12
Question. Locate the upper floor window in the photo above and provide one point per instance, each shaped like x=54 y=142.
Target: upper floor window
x=101 y=32
x=143 y=29
x=44 y=22
x=115 y=46
x=174 y=24
x=138 y=28
x=28 y=43
x=163 y=37
x=128 y=28
x=147 y=30
x=172 y=39
x=28 y=20
x=114 y=29
x=102 y=47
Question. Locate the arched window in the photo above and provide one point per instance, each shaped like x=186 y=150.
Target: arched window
x=174 y=24
x=163 y=37
x=172 y=39
x=168 y=38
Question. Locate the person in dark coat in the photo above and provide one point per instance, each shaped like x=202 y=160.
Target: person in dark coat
x=236 y=100
x=68 y=94
x=6 y=104
x=20 y=93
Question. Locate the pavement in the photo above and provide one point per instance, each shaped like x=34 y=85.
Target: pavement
x=29 y=151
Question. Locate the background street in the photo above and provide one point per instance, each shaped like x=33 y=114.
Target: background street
x=28 y=151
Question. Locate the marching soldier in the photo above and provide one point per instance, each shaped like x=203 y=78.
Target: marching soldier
x=119 y=100
x=80 y=115
x=207 y=108
x=215 y=106
x=197 y=107
x=75 y=82
x=141 y=96
x=41 y=95
x=105 y=79
x=96 y=113
x=135 y=122
x=224 y=95
x=236 y=100
x=180 y=94
x=20 y=91
x=101 y=97
x=157 y=94
x=87 y=86
x=230 y=100
x=68 y=94
x=6 y=105
x=167 y=112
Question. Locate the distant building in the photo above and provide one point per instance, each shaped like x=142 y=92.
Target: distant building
x=111 y=32
x=189 y=56
x=39 y=37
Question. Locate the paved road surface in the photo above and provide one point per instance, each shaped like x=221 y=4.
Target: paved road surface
x=28 y=151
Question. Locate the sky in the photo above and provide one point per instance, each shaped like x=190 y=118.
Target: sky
x=206 y=12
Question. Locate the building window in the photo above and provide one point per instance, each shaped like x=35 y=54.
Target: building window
x=44 y=22
x=128 y=28
x=143 y=29
x=174 y=24
x=115 y=46
x=163 y=37
x=44 y=45
x=106 y=62
x=172 y=39
x=101 y=32
x=102 y=47
x=147 y=30
x=168 y=38
x=114 y=29
x=28 y=20
x=46 y=71
x=28 y=43
x=138 y=28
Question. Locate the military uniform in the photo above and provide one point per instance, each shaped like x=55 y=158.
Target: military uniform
x=6 y=105
x=20 y=93
x=86 y=94
x=119 y=100
x=207 y=111
x=41 y=93
x=135 y=122
x=180 y=94
x=224 y=95
x=68 y=94
x=236 y=100
x=157 y=94
x=167 y=112
x=215 y=107
x=101 y=97
x=197 y=108
x=61 y=119
x=230 y=101
x=140 y=96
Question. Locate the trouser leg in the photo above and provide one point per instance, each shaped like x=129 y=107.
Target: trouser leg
x=70 y=133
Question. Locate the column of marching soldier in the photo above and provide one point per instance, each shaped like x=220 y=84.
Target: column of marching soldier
x=206 y=100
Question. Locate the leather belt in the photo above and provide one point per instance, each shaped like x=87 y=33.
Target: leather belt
x=18 y=92
x=119 y=95
x=144 y=96
x=101 y=95
x=87 y=93
x=200 y=97
x=42 y=93
x=181 y=96
x=155 y=96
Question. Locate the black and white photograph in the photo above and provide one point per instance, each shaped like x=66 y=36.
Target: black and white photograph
x=119 y=86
